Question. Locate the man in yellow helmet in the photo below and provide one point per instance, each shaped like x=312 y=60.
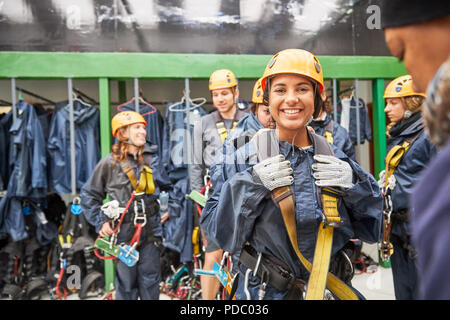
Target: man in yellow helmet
x=210 y=133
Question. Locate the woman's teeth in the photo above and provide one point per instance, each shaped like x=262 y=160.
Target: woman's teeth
x=291 y=111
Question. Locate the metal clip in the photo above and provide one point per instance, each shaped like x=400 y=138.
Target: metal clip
x=262 y=290
x=139 y=216
x=247 y=292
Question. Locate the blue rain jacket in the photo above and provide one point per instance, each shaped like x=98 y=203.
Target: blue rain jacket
x=5 y=124
x=177 y=229
x=242 y=209
x=28 y=179
x=87 y=145
x=173 y=141
x=341 y=138
x=408 y=170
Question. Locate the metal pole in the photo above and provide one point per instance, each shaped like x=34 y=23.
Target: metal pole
x=358 y=125
x=136 y=94
x=335 y=100
x=13 y=98
x=187 y=133
x=72 y=137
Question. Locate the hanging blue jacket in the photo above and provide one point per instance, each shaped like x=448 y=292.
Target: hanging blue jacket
x=242 y=210
x=87 y=145
x=5 y=124
x=173 y=141
x=341 y=138
x=407 y=172
x=27 y=154
x=28 y=178
x=177 y=229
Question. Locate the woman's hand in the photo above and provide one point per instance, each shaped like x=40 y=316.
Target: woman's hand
x=106 y=229
x=164 y=217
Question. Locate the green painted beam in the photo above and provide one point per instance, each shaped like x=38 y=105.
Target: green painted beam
x=379 y=125
x=105 y=116
x=55 y=65
x=105 y=147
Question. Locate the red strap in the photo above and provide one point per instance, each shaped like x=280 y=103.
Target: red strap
x=137 y=234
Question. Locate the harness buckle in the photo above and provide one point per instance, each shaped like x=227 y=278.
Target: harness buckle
x=334 y=222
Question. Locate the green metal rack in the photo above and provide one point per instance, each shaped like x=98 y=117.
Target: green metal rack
x=105 y=67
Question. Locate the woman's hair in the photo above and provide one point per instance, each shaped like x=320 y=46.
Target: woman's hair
x=413 y=103
x=120 y=149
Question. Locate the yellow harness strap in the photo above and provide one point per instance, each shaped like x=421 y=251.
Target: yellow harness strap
x=222 y=130
x=319 y=271
x=145 y=184
x=329 y=136
x=393 y=159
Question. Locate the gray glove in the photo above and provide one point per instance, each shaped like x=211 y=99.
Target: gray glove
x=332 y=172
x=274 y=172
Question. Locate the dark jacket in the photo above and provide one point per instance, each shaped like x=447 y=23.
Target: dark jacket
x=28 y=179
x=341 y=138
x=87 y=145
x=242 y=210
x=408 y=170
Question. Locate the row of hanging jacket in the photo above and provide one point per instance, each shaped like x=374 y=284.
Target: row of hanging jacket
x=347 y=118
x=36 y=167
x=177 y=140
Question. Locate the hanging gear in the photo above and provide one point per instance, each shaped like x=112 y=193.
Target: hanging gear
x=221 y=79
x=125 y=118
x=401 y=87
x=328 y=198
x=388 y=182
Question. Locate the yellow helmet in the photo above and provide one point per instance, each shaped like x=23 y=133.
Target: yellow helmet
x=401 y=87
x=296 y=61
x=221 y=79
x=257 y=96
x=125 y=118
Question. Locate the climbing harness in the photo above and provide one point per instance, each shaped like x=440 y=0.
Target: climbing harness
x=393 y=159
x=220 y=124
